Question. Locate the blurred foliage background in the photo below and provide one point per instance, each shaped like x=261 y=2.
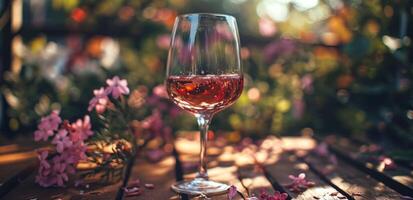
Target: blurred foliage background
x=311 y=66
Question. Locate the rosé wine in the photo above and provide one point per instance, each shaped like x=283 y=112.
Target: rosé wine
x=206 y=94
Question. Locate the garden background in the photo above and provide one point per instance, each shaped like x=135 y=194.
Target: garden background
x=311 y=66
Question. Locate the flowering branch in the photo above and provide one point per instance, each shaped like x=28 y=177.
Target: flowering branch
x=123 y=127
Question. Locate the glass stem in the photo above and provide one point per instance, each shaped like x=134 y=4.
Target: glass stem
x=203 y=123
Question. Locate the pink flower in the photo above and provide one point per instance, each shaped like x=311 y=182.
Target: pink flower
x=155 y=125
x=282 y=47
x=47 y=126
x=117 y=87
x=163 y=41
x=299 y=183
x=81 y=130
x=386 y=163
x=307 y=83
x=160 y=90
x=59 y=170
x=70 y=148
x=99 y=102
x=70 y=156
x=42 y=135
x=232 y=192
x=50 y=122
x=276 y=196
x=55 y=175
x=61 y=140
x=266 y=27
x=42 y=156
x=43 y=179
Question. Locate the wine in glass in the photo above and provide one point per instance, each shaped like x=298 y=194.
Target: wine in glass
x=204 y=76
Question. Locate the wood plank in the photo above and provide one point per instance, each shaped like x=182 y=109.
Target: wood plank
x=356 y=183
x=15 y=177
x=18 y=161
x=289 y=164
x=28 y=189
x=250 y=161
x=399 y=178
x=20 y=156
x=161 y=174
x=284 y=162
x=219 y=170
x=14 y=148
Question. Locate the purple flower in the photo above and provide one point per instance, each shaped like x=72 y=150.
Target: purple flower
x=116 y=87
x=232 y=192
x=155 y=125
x=276 y=196
x=59 y=170
x=42 y=156
x=282 y=47
x=81 y=130
x=160 y=91
x=70 y=148
x=47 y=126
x=299 y=183
x=307 y=83
x=99 y=102
x=163 y=41
x=61 y=140
x=386 y=163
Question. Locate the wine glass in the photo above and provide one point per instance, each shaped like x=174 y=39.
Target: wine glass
x=204 y=76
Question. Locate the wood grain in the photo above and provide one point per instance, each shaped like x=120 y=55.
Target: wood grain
x=161 y=174
x=399 y=178
x=356 y=183
x=289 y=164
x=219 y=169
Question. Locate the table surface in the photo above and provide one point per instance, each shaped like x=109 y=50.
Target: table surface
x=339 y=173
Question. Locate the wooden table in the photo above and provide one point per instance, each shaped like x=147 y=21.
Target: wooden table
x=250 y=169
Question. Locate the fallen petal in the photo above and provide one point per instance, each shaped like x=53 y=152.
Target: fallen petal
x=149 y=186
x=137 y=193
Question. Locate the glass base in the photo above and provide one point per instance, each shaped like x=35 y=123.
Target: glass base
x=200 y=186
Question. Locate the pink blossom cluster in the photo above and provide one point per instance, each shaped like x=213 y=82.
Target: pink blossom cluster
x=299 y=183
x=69 y=148
x=276 y=196
x=115 y=87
